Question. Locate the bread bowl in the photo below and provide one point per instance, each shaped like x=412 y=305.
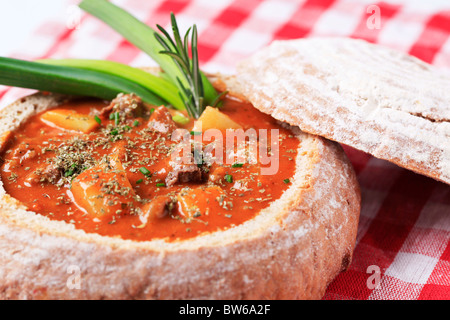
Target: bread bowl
x=292 y=249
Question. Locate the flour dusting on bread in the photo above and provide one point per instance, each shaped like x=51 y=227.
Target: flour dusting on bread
x=375 y=99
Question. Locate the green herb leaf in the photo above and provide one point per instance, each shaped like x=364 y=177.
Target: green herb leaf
x=99 y=121
x=286 y=181
x=161 y=184
x=178 y=118
x=68 y=173
x=237 y=165
x=117 y=118
x=228 y=178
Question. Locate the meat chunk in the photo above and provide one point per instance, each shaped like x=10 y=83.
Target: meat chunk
x=127 y=105
x=24 y=151
x=183 y=173
x=45 y=173
x=161 y=121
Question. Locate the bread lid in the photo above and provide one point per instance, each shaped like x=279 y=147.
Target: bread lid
x=383 y=102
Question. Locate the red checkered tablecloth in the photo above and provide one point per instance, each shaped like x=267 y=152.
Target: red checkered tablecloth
x=403 y=249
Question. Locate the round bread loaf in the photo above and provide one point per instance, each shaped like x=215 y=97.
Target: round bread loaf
x=291 y=250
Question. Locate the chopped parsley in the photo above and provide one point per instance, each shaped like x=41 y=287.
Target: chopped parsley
x=69 y=173
x=228 y=178
x=98 y=120
x=144 y=171
x=114 y=132
x=116 y=118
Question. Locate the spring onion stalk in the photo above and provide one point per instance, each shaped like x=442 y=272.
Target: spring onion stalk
x=180 y=119
x=161 y=87
x=143 y=37
x=69 y=80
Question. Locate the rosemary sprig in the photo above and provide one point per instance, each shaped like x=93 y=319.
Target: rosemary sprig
x=144 y=38
x=182 y=84
x=178 y=49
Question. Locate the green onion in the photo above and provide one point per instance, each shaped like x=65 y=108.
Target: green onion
x=69 y=80
x=99 y=121
x=114 y=132
x=237 y=165
x=228 y=178
x=144 y=38
x=136 y=123
x=139 y=181
x=286 y=181
x=161 y=184
x=144 y=171
x=183 y=85
x=116 y=118
x=196 y=133
x=179 y=118
x=158 y=85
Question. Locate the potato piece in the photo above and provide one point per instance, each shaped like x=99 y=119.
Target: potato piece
x=103 y=192
x=69 y=120
x=196 y=202
x=212 y=118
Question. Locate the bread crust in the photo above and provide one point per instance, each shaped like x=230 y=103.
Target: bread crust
x=291 y=250
x=386 y=103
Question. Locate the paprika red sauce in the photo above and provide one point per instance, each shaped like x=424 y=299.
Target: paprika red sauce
x=109 y=168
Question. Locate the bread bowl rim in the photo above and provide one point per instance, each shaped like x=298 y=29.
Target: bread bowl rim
x=266 y=224
x=28 y=219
